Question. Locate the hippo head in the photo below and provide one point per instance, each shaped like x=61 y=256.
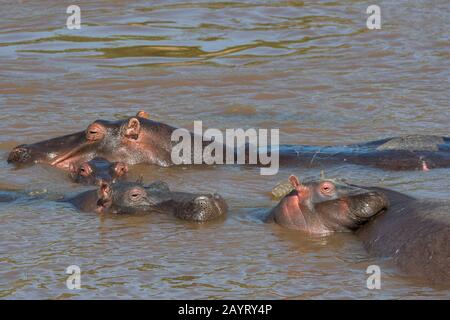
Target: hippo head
x=97 y=170
x=133 y=197
x=133 y=140
x=325 y=206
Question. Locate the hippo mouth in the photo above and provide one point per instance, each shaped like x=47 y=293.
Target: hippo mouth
x=292 y=212
x=72 y=156
x=58 y=152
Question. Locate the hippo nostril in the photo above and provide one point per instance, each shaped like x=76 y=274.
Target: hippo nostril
x=201 y=200
x=203 y=208
x=202 y=204
x=19 y=154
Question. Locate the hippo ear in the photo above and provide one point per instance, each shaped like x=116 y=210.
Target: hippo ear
x=132 y=128
x=294 y=181
x=104 y=192
x=143 y=114
x=104 y=197
x=120 y=168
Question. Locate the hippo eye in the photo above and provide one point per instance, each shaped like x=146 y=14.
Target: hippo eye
x=327 y=188
x=95 y=132
x=135 y=195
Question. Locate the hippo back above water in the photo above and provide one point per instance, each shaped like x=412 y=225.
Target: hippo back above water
x=415 y=234
x=411 y=152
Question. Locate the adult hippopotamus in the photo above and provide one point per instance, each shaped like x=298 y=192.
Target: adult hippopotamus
x=410 y=152
x=414 y=233
x=97 y=170
x=134 y=197
x=134 y=140
x=141 y=140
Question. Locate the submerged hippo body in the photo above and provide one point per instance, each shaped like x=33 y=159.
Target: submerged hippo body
x=414 y=233
x=133 y=197
x=140 y=140
x=97 y=170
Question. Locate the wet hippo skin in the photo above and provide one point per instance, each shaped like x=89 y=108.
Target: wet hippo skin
x=133 y=197
x=415 y=234
x=412 y=152
x=136 y=198
x=325 y=206
x=134 y=140
x=141 y=140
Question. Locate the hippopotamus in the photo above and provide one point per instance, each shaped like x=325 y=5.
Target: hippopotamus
x=97 y=170
x=134 y=140
x=410 y=152
x=134 y=197
x=414 y=233
x=141 y=140
x=326 y=206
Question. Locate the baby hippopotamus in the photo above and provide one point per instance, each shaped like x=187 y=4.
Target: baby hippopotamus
x=97 y=170
x=414 y=233
x=134 y=197
x=326 y=206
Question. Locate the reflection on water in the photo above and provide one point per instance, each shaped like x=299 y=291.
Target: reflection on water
x=310 y=68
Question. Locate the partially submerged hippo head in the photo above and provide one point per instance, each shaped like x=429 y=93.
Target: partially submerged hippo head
x=61 y=151
x=325 y=206
x=132 y=141
x=97 y=170
x=133 y=197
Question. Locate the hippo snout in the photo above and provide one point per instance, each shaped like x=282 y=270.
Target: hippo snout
x=204 y=208
x=207 y=207
x=20 y=154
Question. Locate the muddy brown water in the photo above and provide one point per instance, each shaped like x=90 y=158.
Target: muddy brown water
x=310 y=68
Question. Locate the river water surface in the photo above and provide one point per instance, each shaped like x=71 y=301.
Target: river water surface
x=310 y=68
